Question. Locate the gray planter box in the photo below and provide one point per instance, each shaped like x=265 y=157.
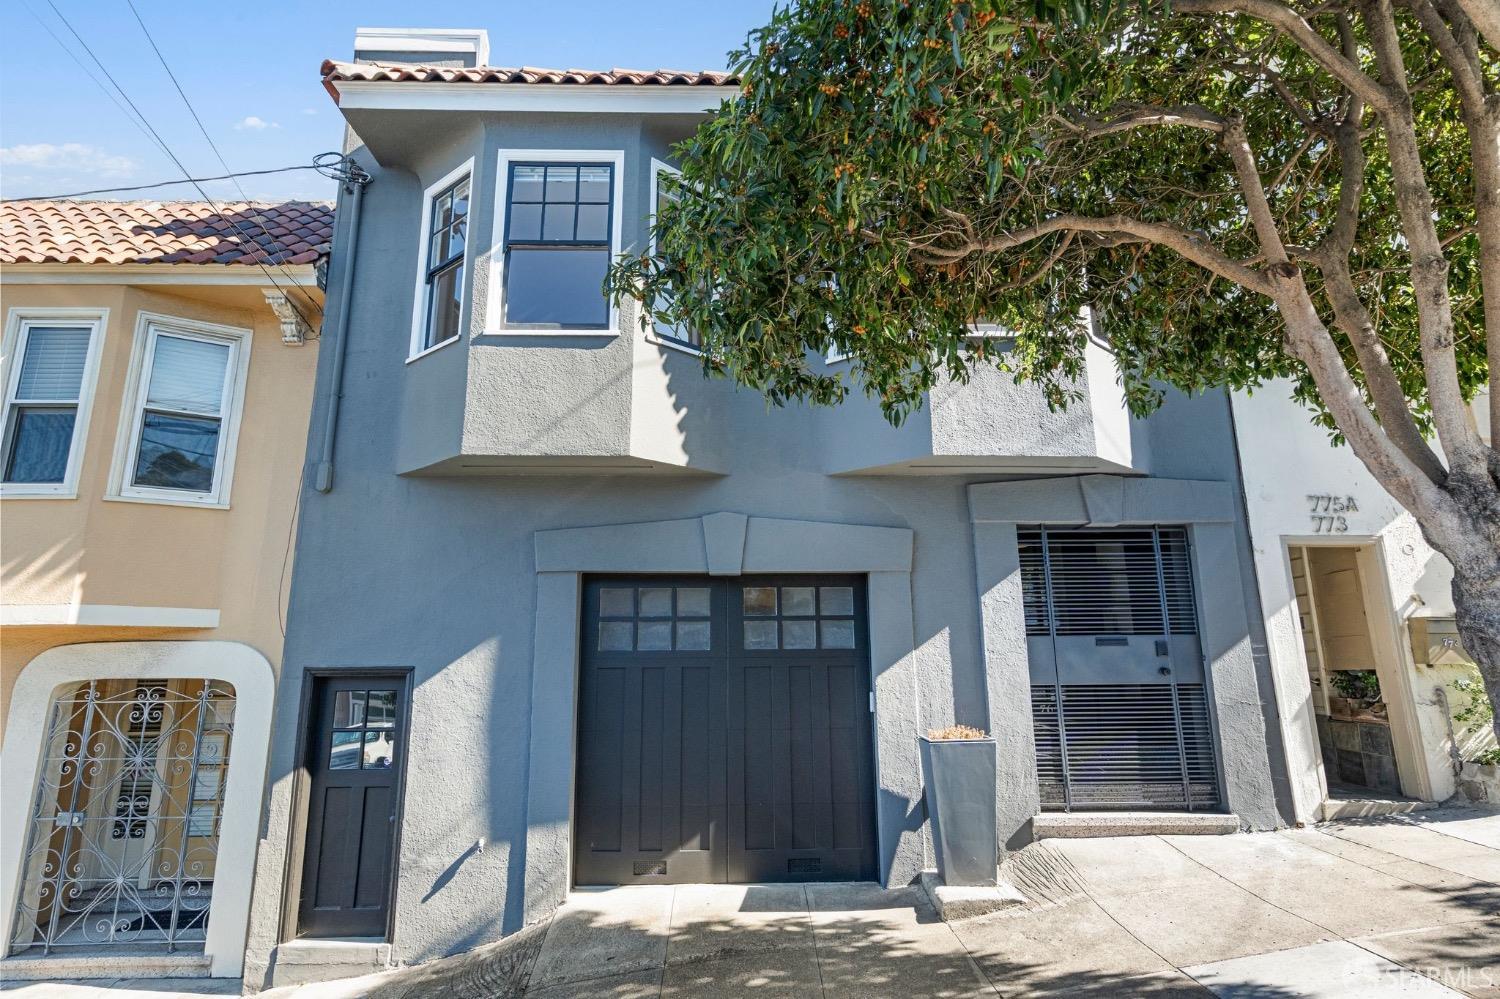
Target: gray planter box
x=959 y=775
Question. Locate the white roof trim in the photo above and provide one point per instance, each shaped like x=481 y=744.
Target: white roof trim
x=384 y=95
x=475 y=40
x=108 y=615
x=301 y=275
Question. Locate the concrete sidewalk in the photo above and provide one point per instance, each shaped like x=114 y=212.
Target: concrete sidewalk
x=1404 y=906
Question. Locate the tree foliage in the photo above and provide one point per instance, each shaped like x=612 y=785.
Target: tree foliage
x=822 y=210
x=1219 y=192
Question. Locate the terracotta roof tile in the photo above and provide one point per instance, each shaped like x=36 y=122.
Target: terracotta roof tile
x=163 y=232
x=335 y=72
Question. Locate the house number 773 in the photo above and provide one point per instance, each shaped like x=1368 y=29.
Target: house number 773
x=1328 y=511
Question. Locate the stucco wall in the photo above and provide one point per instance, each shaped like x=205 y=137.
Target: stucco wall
x=1286 y=460
x=90 y=550
x=445 y=572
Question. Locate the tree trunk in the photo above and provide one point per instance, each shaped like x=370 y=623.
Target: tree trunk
x=1476 y=598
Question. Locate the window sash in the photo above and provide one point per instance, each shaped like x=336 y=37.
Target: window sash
x=431 y=328
x=546 y=199
x=544 y=203
x=131 y=486
x=441 y=233
x=688 y=338
x=68 y=364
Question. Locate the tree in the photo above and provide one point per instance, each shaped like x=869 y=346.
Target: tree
x=1219 y=191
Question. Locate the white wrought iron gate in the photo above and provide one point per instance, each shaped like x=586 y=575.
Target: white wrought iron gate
x=1119 y=705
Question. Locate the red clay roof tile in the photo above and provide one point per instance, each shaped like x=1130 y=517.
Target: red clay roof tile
x=163 y=232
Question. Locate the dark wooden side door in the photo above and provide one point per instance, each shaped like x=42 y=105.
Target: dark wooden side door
x=356 y=749
x=724 y=731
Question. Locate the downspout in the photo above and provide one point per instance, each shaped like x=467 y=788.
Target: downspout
x=354 y=180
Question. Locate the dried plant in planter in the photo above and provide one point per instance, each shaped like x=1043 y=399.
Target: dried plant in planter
x=956 y=732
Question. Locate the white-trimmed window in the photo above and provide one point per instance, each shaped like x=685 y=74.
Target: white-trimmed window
x=184 y=402
x=557 y=224
x=440 y=292
x=681 y=337
x=52 y=364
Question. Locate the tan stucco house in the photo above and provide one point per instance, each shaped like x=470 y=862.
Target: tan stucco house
x=158 y=365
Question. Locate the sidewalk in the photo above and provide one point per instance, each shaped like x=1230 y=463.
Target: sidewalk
x=1404 y=906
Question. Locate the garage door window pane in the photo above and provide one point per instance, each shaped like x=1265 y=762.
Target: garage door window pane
x=760 y=634
x=655 y=636
x=656 y=601
x=692 y=636
x=617 y=602
x=799 y=635
x=616 y=636
x=692 y=602
x=836 y=600
x=797 y=601
x=838 y=634
x=760 y=601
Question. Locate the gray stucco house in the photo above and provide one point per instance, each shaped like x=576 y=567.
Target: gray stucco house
x=567 y=612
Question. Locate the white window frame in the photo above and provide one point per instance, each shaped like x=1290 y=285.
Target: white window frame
x=658 y=168
x=231 y=409
x=977 y=331
x=424 y=240
x=18 y=325
x=494 y=313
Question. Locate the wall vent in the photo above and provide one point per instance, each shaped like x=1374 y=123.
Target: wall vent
x=650 y=868
x=804 y=865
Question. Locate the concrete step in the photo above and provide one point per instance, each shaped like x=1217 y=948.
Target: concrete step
x=299 y=962
x=1357 y=808
x=1094 y=825
x=102 y=964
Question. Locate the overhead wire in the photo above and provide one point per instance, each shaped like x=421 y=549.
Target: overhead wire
x=271 y=240
x=167 y=183
x=167 y=150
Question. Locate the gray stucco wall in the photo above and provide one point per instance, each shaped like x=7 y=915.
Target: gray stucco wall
x=439 y=574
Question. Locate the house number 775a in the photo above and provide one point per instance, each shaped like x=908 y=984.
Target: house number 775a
x=1327 y=512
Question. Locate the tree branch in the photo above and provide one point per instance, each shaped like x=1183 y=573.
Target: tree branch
x=1292 y=24
x=1187 y=244
x=1486 y=17
x=1191 y=115
x=1429 y=266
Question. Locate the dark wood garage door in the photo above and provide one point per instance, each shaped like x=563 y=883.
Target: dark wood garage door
x=724 y=731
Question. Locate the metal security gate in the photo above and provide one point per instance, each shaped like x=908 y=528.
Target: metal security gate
x=724 y=731
x=1118 y=702
x=124 y=824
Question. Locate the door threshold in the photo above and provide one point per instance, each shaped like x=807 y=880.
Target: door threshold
x=1093 y=825
x=1352 y=807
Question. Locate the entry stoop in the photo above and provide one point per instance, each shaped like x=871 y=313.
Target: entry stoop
x=1359 y=808
x=299 y=962
x=1095 y=825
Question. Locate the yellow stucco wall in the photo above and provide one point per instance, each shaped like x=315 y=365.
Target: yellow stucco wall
x=91 y=550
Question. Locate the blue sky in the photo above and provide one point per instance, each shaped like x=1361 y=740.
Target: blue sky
x=251 y=71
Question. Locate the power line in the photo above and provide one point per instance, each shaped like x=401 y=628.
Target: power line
x=166 y=183
x=171 y=155
x=209 y=139
x=88 y=72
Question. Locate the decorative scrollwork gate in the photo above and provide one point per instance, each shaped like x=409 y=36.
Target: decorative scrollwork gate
x=124 y=827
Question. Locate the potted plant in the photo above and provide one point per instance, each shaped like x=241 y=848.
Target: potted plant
x=958 y=769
